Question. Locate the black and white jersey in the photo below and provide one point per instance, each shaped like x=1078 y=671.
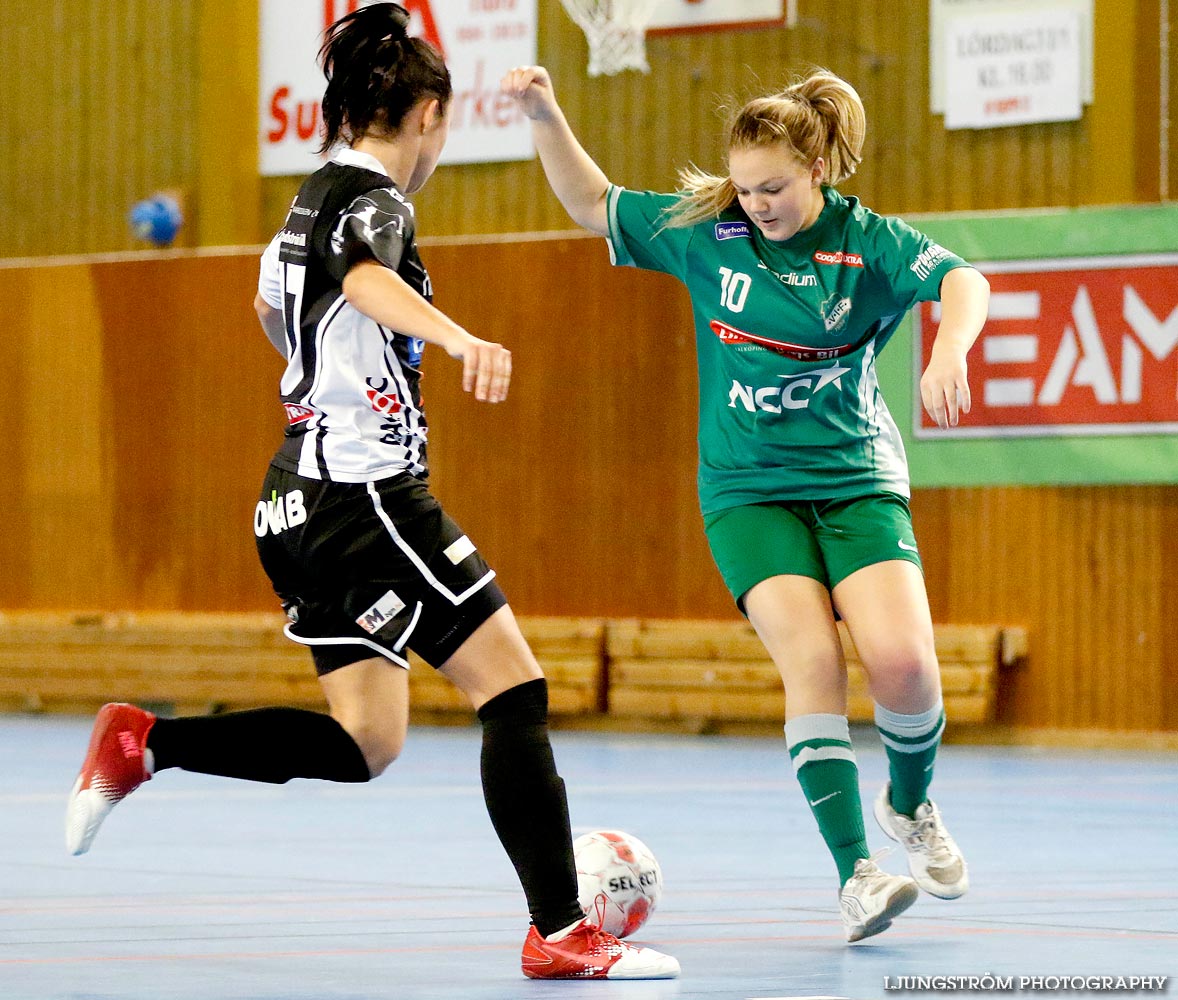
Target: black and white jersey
x=351 y=389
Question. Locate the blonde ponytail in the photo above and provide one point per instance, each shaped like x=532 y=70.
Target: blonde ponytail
x=820 y=116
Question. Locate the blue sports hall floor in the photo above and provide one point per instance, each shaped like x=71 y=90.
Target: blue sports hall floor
x=208 y=889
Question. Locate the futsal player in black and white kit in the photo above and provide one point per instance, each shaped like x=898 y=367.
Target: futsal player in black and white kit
x=364 y=559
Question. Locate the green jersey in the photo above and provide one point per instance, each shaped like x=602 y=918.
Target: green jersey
x=786 y=338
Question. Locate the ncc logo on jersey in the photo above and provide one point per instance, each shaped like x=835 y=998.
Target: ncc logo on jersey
x=794 y=392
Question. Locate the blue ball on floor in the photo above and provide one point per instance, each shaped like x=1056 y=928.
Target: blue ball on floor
x=157 y=219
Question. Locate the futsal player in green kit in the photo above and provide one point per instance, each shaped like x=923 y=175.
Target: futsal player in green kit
x=803 y=481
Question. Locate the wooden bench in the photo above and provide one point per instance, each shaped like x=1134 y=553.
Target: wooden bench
x=693 y=676
x=571 y=651
x=183 y=662
x=709 y=676
x=190 y=663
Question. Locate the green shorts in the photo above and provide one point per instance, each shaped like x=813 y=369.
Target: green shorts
x=827 y=540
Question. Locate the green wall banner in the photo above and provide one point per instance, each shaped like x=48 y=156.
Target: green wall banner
x=1075 y=377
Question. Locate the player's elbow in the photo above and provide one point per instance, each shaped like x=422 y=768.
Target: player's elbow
x=591 y=214
x=265 y=311
x=361 y=284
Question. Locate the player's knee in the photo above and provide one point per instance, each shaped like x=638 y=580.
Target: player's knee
x=379 y=746
x=380 y=754
x=902 y=670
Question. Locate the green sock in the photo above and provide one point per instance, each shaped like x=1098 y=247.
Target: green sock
x=911 y=742
x=820 y=748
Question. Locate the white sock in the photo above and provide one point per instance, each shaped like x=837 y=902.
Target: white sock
x=564 y=932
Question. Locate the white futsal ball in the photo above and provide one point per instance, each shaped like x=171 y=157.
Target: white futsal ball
x=619 y=882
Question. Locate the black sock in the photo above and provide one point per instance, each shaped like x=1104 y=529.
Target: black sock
x=263 y=744
x=526 y=801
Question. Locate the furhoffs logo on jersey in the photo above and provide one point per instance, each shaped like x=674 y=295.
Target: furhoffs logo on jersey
x=296 y=413
x=838 y=257
x=380 y=397
x=732 y=230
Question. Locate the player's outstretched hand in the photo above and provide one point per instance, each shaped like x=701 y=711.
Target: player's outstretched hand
x=531 y=87
x=944 y=388
x=486 y=368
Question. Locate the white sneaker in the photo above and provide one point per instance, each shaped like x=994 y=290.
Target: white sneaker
x=933 y=857
x=872 y=898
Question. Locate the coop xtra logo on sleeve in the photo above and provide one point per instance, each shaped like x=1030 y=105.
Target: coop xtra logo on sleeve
x=478 y=38
x=1076 y=346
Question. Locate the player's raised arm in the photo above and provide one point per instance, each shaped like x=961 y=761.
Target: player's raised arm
x=575 y=178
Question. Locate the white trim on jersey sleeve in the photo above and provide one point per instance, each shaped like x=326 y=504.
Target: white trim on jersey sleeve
x=619 y=256
x=270 y=274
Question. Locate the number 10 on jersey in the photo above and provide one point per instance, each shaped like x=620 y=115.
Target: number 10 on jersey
x=734 y=289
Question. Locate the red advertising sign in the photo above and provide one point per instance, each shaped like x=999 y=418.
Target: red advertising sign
x=1079 y=346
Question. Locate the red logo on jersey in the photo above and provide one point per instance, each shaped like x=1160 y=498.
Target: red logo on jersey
x=383 y=402
x=296 y=414
x=838 y=257
x=799 y=352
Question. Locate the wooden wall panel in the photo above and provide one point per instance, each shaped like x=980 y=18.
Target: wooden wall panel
x=144 y=413
x=106 y=102
x=141 y=411
x=98 y=112
x=1085 y=570
x=1169 y=87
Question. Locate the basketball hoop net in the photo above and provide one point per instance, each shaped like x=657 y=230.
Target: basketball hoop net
x=616 y=32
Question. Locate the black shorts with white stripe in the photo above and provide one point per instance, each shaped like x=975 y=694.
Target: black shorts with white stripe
x=368 y=569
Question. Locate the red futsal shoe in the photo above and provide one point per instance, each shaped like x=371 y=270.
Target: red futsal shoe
x=112 y=770
x=588 y=953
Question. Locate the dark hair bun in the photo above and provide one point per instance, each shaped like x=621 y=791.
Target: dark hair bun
x=375 y=73
x=398 y=18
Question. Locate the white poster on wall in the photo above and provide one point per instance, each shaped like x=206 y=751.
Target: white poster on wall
x=1012 y=69
x=942 y=11
x=479 y=38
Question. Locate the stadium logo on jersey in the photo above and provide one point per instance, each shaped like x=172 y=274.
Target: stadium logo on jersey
x=795 y=394
x=835 y=311
x=790 y=277
x=838 y=257
x=923 y=266
x=296 y=413
x=381 y=613
x=279 y=513
x=380 y=398
x=732 y=230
